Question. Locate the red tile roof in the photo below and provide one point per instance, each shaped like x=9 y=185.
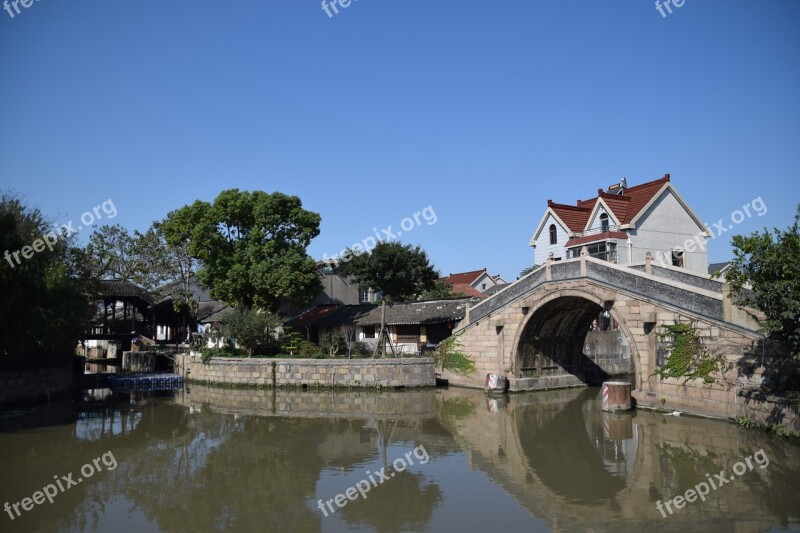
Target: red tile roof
x=467 y=290
x=596 y=237
x=625 y=206
x=574 y=217
x=312 y=315
x=464 y=277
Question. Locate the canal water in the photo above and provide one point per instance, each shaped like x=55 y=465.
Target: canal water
x=206 y=459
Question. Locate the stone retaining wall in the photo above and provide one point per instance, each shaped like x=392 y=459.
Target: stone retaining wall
x=366 y=373
x=38 y=384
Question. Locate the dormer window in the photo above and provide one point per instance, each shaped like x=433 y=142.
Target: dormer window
x=603 y=222
x=553 y=234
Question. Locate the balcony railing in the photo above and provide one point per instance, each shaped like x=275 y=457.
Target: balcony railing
x=596 y=231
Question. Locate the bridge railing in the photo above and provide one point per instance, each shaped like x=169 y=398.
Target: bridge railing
x=669 y=291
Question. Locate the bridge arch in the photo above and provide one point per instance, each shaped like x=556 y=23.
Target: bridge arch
x=552 y=335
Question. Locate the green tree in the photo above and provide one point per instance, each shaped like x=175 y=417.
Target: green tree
x=448 y=356
x=43 y=311
x=292 y=340
x=527 y=270
x=255 y=331
x=399 y=272
x=770 y=264
x=251 y=247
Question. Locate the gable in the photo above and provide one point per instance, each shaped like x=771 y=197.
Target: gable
x=669 y=204
x=549 y=218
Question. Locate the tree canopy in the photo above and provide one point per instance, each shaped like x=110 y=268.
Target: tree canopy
x=399 y=272
x=251 y=247
x=770 y=264
x=42 y=311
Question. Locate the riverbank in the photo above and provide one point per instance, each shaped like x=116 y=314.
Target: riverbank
x=21 y=385
x=283 y=372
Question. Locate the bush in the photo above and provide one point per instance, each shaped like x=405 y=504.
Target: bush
x=333 y=343
x=308 y=349
x=448 y=356
x=255 y=331
x=361 y=350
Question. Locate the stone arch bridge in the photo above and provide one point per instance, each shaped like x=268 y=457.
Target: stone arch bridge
x=534 y=332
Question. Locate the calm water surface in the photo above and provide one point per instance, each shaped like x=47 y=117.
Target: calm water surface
x=219 y=459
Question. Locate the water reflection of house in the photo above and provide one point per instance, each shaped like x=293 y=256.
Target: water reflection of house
x=413 y=326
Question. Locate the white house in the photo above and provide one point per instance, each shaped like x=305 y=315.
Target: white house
x=622 y=224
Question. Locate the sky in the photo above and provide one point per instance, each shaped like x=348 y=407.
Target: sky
x=478 y=111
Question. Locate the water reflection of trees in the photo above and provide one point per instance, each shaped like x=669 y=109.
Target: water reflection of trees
x=404 y=503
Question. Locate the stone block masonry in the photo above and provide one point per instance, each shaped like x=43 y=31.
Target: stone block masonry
x=359 y=373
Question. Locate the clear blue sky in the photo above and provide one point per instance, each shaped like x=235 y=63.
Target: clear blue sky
x=483 y=110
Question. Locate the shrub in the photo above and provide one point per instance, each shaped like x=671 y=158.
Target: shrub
x=308 y=349
x=448 y=356
x=254 y=330
x=332 y=343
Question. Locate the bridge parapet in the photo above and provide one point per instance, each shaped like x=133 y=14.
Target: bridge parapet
x=684 y=292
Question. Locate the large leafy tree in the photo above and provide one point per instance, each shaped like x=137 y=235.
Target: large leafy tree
x=251 y=247
x=770 y=264
x=43 y=311
x=399 y=272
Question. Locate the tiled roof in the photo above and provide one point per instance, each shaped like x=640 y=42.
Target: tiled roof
x=497 y=288
x=205 y=310
x=574 y=217
x=625 y=206
x=312 y=315
x=640 y=196
x=464 y=277
x=220 y=315
x=117 y=288
x=431 y=312
x=199 y=293
x=596 y=237
x=344 y=314
x=467 y=290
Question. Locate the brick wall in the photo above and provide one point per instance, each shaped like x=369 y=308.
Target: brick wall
x=401 y=372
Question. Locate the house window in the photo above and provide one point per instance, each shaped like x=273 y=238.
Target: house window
x=603 y=222
x=607 y=251
x=483 y=286
x=553 y=234
x=363 y=295
x=678 y=258
x=369 y=332
x=407 y=334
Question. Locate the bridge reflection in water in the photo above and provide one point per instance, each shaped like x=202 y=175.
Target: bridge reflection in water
x=258 y=460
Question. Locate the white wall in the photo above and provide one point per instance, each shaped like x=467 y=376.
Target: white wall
x=664 y=226
x=543 y=246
